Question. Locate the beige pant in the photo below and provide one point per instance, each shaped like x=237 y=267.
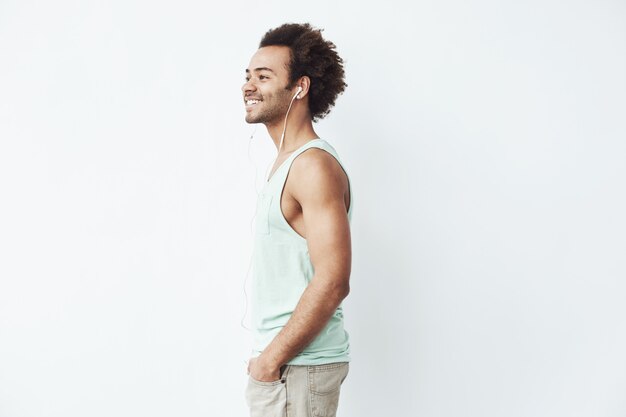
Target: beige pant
x=302 y=391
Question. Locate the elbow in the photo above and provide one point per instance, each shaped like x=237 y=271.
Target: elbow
x=346 y=290
x=342 y=291
x=334 y=289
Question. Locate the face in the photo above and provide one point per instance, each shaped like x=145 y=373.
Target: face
x=265 y=92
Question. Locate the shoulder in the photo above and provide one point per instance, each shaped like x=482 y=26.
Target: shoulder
x=316 y=171
x=316 y=160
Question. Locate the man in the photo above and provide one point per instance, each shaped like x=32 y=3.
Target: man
x=302 y=249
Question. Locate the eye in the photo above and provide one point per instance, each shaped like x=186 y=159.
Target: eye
x=262 y=77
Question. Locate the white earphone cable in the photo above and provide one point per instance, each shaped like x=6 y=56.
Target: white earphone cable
x=287 y=115
x=245 y=282
x=282 y=137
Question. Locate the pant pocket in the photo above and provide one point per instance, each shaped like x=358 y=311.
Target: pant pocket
x=324 y=386
x=266 y=399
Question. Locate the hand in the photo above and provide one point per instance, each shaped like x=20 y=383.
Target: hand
x=260 y=371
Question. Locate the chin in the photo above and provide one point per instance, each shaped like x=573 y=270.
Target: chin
x=255 y=119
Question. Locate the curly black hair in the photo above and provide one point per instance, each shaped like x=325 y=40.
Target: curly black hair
x=315 y=57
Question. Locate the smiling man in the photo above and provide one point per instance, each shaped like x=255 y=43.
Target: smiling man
x=302 y=249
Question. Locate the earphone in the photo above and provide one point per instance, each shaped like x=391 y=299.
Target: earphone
x=282 y=137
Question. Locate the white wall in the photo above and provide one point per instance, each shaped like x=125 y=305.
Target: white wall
x=485 y=142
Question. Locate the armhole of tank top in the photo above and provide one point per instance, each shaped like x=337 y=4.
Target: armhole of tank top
x=280 y=198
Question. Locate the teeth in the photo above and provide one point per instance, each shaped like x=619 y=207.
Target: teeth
x=251 y=102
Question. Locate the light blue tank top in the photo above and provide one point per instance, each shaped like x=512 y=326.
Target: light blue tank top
x=282 y=270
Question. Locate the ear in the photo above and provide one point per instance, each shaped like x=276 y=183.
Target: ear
x=305 y=83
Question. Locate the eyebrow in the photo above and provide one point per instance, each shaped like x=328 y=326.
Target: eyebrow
x=261 y=69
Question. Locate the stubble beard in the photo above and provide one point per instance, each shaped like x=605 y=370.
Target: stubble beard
x=271 y=114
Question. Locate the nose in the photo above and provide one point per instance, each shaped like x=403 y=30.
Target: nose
x=248 y=86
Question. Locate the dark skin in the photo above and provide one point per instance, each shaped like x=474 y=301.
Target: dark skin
x=315 y=202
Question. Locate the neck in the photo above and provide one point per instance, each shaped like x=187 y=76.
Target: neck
x=299 y=131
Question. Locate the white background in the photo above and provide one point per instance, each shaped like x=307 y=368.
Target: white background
x=486 y=145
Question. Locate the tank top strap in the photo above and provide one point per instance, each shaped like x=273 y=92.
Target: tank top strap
x=315 y=143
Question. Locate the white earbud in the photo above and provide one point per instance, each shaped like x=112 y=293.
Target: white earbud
x=298 y=92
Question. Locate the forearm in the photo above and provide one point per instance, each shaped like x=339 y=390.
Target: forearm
x=315 y=308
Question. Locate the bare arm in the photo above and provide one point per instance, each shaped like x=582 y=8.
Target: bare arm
x=321 y=186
